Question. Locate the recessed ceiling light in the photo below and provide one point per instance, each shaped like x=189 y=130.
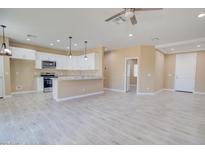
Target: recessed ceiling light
x=58 y=40
x=201 y=15
x=51 y=44
x=172 y=49
x=75 y=44
x=198 y=46
x=28 y=39
x=130 y=35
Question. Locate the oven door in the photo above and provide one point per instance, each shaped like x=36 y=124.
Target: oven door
x=47 y=84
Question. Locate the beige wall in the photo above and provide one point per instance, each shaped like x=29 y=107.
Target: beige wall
x=159 y=70
x=69 y=88
x=22 y=75
x=115 y=67
x=169 y=77
x=147 y=69
x=150 y=62
x=200 y=72
x=7 y=71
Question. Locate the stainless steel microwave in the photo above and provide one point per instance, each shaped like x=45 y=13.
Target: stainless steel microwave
x=48 y=64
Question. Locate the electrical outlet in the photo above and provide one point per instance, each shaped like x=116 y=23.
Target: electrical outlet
x=83 y=89
x=19 y=87
x=148 y=74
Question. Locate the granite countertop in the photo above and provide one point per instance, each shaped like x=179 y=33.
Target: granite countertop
x=79 y=78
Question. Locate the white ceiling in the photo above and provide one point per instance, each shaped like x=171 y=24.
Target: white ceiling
x=175 y=28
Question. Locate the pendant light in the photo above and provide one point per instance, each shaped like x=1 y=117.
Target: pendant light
x=85 y=54
x=4 y=50
x=70 y=52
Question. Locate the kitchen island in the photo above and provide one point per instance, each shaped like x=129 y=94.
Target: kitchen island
x=66 y=88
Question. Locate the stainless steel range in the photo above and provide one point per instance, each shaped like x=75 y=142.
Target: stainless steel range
x=47 y=81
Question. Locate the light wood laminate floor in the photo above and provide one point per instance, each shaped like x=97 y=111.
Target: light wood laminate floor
x=110 y=118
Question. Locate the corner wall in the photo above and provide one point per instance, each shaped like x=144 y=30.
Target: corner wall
x=200 y=72
x=114 y=72
x=169 y=73
x=159 y=70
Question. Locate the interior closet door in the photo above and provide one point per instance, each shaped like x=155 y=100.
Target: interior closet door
x=1 y=76
x=185 y=72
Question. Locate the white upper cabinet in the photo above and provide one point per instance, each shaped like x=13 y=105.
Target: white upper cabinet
x=46 y=56
x=92 y=63
x=21 y=53
x=42 y=56
x=62 y=62
x=73 y=63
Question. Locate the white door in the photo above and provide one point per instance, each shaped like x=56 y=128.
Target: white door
x=185 y=72
x=1 y=77
x=128 y=77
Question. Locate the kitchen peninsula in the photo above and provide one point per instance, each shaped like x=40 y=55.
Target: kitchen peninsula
x=65 y=88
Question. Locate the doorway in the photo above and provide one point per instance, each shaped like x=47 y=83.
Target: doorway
x=131 y=75
x=185 y=72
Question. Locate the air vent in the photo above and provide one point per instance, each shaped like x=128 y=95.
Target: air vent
x=119 y=20
x=31 y=36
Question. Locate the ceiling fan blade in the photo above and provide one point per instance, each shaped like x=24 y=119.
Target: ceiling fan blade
x=133 y=20
x=115 y=16
x=147 y=9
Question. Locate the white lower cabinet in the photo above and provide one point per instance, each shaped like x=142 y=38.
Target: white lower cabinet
x=39 y=84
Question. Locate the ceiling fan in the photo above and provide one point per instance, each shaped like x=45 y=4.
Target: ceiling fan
x=130 y=13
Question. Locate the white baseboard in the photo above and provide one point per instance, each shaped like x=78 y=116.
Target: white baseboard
x=150 y=93
x=140 y=93
x=79 y=96
x=7 y=96
x=158 y=91
x=169 y=89
x=199 y=93
x=115 y=90
x=23 y=92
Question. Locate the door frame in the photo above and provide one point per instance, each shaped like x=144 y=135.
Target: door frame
x=125 y=74
x=195 y=54
x=3 y=78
